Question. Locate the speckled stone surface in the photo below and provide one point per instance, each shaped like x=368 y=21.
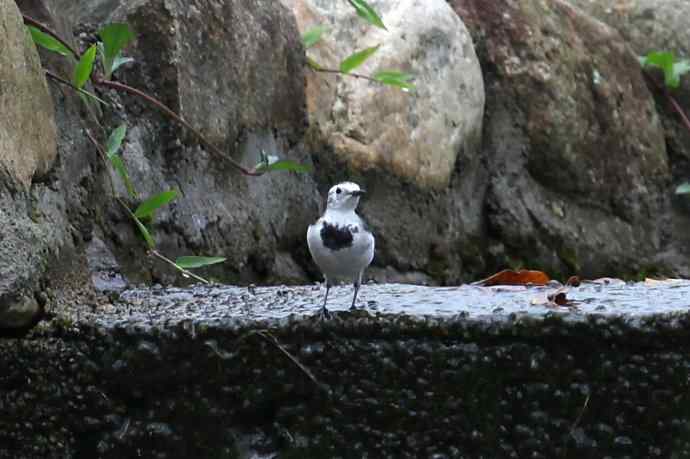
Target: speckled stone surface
x=418 y=372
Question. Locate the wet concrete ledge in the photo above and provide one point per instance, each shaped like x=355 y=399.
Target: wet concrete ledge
x=419 y=372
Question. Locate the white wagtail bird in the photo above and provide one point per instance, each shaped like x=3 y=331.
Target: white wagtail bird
x=340 y=242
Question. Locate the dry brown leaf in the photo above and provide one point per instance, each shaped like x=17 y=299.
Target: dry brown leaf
x=559 y=297
x=554 y=299
x=573 y=281
x=509 y=277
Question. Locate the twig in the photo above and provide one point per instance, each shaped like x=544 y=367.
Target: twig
x=672 y=100
x=184 y=272
x=579 y=417
x=679 y=109
x=28 y=20
x=63 y=81
x=171 y=114
x=59 y=79
x=353 y=75
x=268 y=336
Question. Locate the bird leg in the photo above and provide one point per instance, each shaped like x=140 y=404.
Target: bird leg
x=358 y=282
x=324 y=312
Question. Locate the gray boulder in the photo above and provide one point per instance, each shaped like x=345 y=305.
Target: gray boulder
x=27 y=152
x=576 y=149
x=650 y=25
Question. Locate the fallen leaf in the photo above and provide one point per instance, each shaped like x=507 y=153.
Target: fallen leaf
x=573 y=281
x=554 y=299
x=649 y=282
x=509 y=277
x=559 y=297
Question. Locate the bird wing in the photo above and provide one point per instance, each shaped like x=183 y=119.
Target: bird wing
x=313 y=238
x=370 y=244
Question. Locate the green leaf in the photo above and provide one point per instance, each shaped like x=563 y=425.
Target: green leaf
x=119 y=165
x=683 y=189
x=356 y=59
x=312 y=36
x=115 y=139
x=82 y=71
x=120 y=60
x=680 y=68
x=112 y=147
x=48 y=42
x=148 y=207
x=666 y=61
x=197 y=262
x=364 y=10
x=145 y=233
x=115 y=37
x=394 y=78
x=269 y=163
x=288 y=165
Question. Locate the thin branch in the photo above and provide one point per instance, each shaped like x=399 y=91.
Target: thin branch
x=672 y=100
x=579 y=416
x=184 y=272
x=63 y=81
x=171 y=114
x=350 y=74
x=59 y=79
x=679 y=109
x=28 y=20
x=268 y=336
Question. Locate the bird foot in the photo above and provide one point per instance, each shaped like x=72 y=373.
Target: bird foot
x=324 y=314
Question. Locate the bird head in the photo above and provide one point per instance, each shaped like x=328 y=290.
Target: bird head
x=344 y=196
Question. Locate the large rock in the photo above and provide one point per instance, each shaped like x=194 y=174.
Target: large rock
x=27 y=152
x=650 y=25
x=27 y=137
x=414 y=136
x=579 y=167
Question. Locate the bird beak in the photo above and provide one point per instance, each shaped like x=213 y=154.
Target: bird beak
x=358 y=192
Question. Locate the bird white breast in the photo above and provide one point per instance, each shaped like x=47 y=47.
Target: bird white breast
x=341 y=263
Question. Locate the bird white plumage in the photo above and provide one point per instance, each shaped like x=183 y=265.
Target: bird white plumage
x=339 y=241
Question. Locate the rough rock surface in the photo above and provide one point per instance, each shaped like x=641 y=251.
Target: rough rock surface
x=420 y=372
x=27 y=133
x=580 y=176
x=27 y=151
x=648 y=26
